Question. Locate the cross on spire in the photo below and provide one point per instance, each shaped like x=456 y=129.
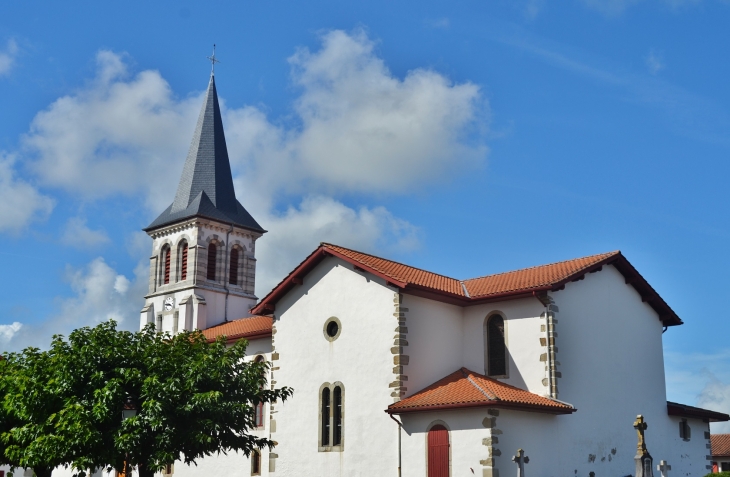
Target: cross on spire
x=213 y=61
x=520 y=459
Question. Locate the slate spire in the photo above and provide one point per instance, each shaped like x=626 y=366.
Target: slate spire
x=206 y=186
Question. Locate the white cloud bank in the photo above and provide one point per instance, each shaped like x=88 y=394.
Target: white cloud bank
x=357 y=128
x=101 y=294
x=77 y=234
x=7 y=57
x=20 y=202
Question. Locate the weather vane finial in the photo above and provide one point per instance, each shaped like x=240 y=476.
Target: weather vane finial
x=213 y=61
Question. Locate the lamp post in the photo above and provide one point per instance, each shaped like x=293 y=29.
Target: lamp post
x=129 y=410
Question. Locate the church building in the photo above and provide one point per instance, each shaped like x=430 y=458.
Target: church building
x=399 y=371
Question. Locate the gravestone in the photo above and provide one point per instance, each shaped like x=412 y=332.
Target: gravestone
x=664 y=468
x=644 y=461
x=520 y=459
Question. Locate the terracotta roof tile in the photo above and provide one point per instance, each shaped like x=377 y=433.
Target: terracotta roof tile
x=540 y=279
x=402 y=273
x=720 y=444
x=252 y=326
x=465 y=388
x=531 y=278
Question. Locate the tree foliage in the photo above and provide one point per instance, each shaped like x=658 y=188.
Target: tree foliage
x=64 y=406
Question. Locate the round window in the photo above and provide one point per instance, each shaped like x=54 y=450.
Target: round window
x=332 y=328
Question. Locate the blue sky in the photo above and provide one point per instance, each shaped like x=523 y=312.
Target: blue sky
x=466 y=138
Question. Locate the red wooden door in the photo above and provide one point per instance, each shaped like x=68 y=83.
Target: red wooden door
x=438 y=451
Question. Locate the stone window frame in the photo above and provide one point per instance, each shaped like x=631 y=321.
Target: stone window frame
x=255 y=456
x=177 y=256
x=220 y=265
x=240 y=272
x=341 y=446
x=485 y=339
x=160 y=272
x=433 y=423
x=326 y=324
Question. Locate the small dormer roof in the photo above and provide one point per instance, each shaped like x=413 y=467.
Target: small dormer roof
x=206 y=186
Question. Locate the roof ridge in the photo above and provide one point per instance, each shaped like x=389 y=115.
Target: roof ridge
x=491 y=397
x=607 y=254
x=326 y=244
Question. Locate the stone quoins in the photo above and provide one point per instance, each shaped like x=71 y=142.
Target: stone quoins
x=490 y=422
x=399 y=342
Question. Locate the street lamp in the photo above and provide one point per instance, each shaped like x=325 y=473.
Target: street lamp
x=129 y=410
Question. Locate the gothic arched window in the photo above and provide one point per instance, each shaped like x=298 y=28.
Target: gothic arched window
x=233 y=270
x=166 y=258
x=496 y=349
x=182 y=253
x=212 y=256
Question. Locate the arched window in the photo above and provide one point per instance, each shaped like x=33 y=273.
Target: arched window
x=496 y=349
x=325 y=417
x=337 y=417
x=182 y=252
x=233 y=270
x=212 y=255
x=166 y=259
x=438 y=451
x=332 y=417
x=260 y=405
x=255 y=462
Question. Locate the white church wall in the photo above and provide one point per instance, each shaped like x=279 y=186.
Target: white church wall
x=522 y=336
x=360 y=358
x=466 y=436
x=434 y=341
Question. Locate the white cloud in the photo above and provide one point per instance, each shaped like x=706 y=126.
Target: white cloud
x=356 y=128
x=77 y=234
x=298 y=231
x=100 y=294
x=7 y=57
x=716 y=397
x=442 y=23
x=118 y=135
x=8 y=331
x=614 y=7
x=533 y=8
x=654 y=62
x=20 y=202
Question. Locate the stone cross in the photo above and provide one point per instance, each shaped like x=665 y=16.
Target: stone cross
x=520 y=459
x=640 y=427
x=664 y=468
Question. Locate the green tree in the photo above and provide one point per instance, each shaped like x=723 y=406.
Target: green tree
x=194 y=399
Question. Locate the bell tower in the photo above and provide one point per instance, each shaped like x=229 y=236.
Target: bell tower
x=203 y=264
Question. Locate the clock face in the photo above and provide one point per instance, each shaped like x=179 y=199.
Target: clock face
x=169 y=303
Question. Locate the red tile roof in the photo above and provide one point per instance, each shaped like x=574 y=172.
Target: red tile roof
x=250 y=328
x=465 y=388
x=532 y=278
x=720 y=444
x=520 y=283
x=401 y=273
